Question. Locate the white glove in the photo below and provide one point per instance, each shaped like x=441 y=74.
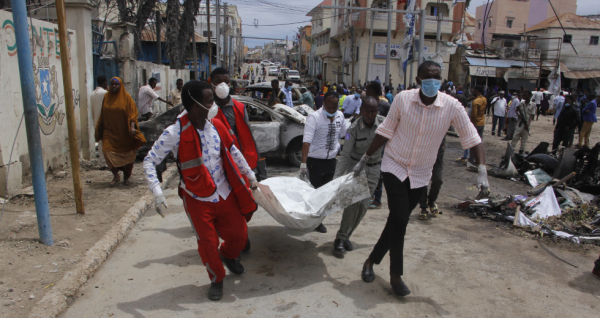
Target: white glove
x=482 y=183
x=160 y=201
x=303 y=173
x=361 y=164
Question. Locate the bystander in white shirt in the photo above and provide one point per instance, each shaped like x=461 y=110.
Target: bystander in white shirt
x=146 y=96
x=324 y=135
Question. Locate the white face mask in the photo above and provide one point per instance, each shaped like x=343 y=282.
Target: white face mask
x=212 y=111
x=222 y=90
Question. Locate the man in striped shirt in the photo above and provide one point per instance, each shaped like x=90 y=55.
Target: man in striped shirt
x=415 y=126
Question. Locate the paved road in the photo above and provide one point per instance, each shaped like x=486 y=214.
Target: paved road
x=455 y=267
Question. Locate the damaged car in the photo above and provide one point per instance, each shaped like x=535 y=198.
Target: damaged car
x=277 y=131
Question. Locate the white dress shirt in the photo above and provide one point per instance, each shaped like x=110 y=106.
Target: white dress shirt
x=324 y=135
x=499 y=106
x=146 y=96
x=211 y=147
x=351 y=105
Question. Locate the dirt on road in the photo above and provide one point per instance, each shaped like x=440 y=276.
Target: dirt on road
x=29 y=268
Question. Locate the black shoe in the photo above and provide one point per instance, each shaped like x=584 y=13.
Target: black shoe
x=247 y=248
x=216 y=291
x=348 y=245
x=338 y=248
x=401 y=289
x=367 y=274
x=321 y=228
x=493 y=133
x=521 y=152
x=233 y=265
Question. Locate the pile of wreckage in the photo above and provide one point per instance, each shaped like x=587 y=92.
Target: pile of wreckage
x=563 y=201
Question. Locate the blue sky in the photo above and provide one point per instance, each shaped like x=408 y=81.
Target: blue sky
x=267 y=12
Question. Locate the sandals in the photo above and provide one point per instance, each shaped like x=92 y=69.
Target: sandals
x=423 y=214
x=434 y=210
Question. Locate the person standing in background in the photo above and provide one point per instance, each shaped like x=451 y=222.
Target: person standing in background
x=558 y=105
x=287 y=91
x=499 y=105
x=537 y=99
x=389 y=95
x=511 y=116
x=307 y=97
x=351 y=106
x=589 y=118
x=525 y=112
x=97 y=97
x=319 y=100
x=175 y=95
x=565 y=125
x=276 y=96
x=478 y=114
x=321 y=144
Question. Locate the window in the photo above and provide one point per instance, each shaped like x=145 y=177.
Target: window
x=490 y=23
x=594 y=40
x=508 y=43
x=509 y=23
x=567 y=38
x=205 y=33
x=478 y=25
x=433 y=11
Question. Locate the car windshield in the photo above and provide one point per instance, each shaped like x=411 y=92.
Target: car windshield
x=294 y=73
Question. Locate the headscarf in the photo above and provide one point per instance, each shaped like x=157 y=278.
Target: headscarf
x=113 y=128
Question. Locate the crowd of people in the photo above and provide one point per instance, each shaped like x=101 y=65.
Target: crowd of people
x=397 y=141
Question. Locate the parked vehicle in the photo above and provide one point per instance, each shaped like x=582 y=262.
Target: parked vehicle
x=294 y=76
x=277 y=131
x=273 y=71
x=278 y=64
x=266 y=63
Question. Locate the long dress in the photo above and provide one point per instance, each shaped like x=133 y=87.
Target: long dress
x=113 y=128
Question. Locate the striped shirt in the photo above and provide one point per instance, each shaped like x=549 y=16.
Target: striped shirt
x=415 y=132
x=146 y=96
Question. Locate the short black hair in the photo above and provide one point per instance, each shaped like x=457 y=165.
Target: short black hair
x=425 y=65
x=288 y=81
x=152 y=79
x=273 y=81
x=193 y=89
x=328 y=94
x=478 y=88
x=303 y=90
x=387 y=89
x=179 y=79
x=101 y=80
x=375 y=87
x=370 y=99
x=218 y=71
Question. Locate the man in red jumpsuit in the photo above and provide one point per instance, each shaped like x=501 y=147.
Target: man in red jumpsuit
x=214 y=182
x=235 y=117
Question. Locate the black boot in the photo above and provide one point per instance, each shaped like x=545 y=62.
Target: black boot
x=338 y=248
x=216 y=291
x=321 y=228
x=233 y=265
x=348 y=245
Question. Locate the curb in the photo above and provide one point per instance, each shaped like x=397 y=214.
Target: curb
x=62 y=294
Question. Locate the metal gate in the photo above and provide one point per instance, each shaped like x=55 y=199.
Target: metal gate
x=103 y=65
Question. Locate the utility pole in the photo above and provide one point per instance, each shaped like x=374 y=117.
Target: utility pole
x=218 y=34
x=158 y=44
x=194 y=53
x=230 y=63
x=438 y=35
x=30 y=114
x=352 y=43
x=388 y=45
x=370 y=45
x=421 y=35
x=286 y=56
x=209 y=37
x=226 y=33
x=300 y=51
x=69 y=104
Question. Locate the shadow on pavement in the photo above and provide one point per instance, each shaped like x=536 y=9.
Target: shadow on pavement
x=181 y=233
x=586 y=283
x=183 y=259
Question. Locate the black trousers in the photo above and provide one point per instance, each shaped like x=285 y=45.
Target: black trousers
x=320 y=171
x=401 y=201
x=563 y=135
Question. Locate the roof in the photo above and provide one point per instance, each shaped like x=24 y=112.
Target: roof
x=581 y=74
x=568 y=20
x=324 y=3
x=475 y=61
x=469 y=19
x=149 y=35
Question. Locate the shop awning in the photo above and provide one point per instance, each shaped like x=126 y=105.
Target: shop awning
x=581 y=74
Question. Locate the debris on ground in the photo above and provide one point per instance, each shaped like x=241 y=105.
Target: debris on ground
x=554 y=206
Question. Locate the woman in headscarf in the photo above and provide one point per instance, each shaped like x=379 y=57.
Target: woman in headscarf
x=118 y=129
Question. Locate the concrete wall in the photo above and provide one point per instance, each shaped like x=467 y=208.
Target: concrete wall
x=49 y=97
x=588 y=57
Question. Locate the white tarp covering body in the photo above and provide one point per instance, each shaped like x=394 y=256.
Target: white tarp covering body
x=297 y=205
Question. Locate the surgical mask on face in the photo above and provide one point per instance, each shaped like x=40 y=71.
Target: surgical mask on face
x=212 y=111
x=329 y=114
x=430 y=86
x=222 y=90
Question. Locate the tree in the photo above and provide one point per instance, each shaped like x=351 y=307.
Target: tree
x=180 y=29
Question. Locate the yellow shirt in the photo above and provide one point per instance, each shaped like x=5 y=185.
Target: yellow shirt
x=478 y=111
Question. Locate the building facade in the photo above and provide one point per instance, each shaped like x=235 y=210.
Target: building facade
x=515 y=16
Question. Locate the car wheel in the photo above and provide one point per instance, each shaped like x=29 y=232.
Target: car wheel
x=294 y=153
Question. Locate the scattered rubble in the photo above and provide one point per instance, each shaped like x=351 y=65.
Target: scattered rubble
x=562 y=202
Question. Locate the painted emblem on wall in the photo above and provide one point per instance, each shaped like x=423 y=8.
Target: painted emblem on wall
x=48 y=102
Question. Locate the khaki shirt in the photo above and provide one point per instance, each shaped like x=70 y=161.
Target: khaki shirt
x=357 y=141
x=175 y=97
